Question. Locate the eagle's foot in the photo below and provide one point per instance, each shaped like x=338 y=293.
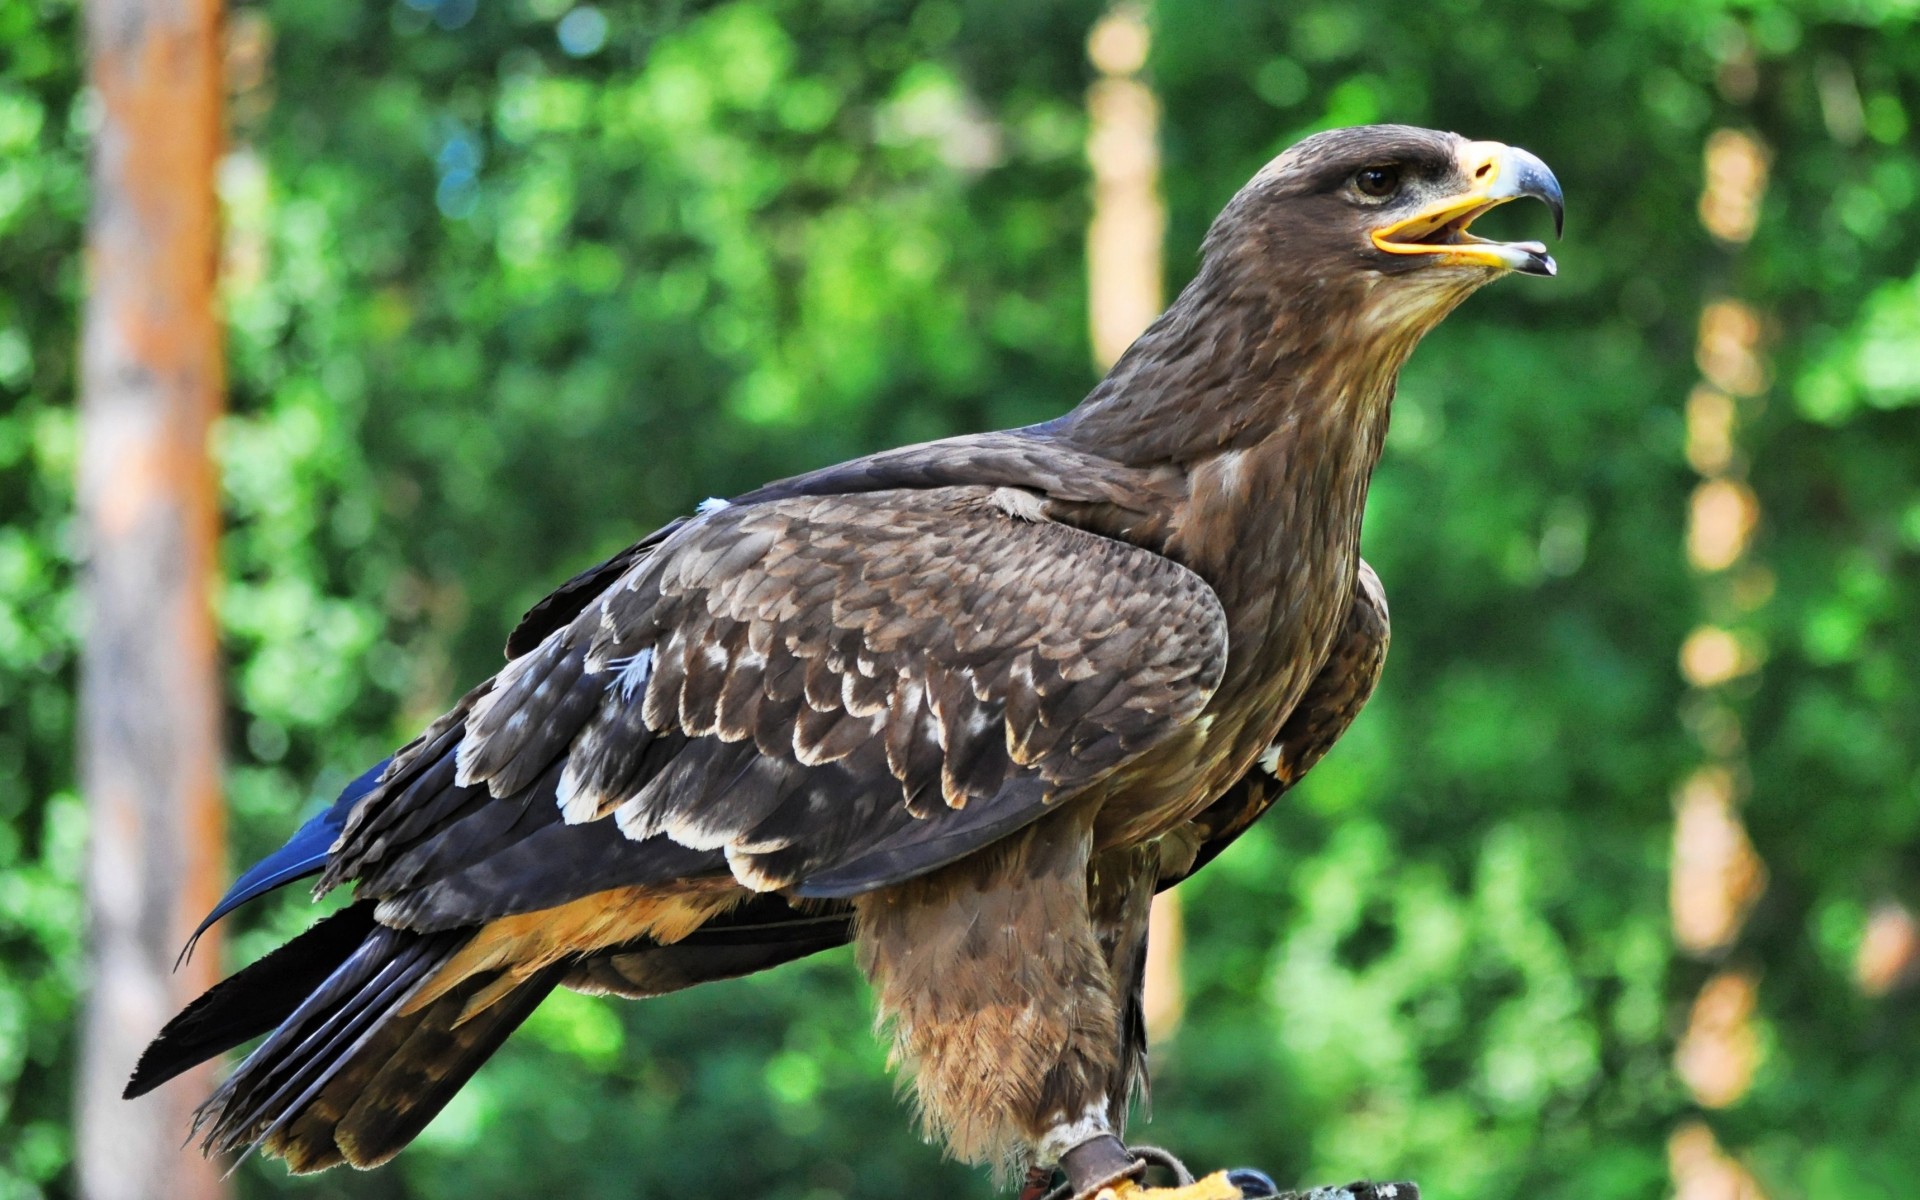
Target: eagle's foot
x=1104 y=1169
x=1245 y=1183
x=1217 y=1186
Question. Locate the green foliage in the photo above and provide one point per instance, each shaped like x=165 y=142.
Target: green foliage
x=42 y=205
x=511 y=283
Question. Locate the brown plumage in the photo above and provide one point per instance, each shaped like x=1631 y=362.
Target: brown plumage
x=967 y=703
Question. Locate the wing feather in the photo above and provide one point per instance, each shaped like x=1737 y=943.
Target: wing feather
x=818 y=693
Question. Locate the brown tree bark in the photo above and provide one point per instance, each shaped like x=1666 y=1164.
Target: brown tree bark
x=149 y=690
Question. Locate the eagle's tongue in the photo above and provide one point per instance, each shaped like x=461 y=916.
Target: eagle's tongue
x=1539 y=262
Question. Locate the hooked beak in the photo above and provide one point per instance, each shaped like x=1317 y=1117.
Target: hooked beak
x=1497 y=174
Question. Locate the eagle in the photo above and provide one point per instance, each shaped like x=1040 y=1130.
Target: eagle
x=966 y=704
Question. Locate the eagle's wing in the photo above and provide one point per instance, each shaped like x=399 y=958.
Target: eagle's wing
x=1128 y=499
x=567 y=601
x=1338 y=692
x=817 y=694
x=770 y=930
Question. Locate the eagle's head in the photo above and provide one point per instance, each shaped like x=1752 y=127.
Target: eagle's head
x=1315 y=283
x=1377 y=216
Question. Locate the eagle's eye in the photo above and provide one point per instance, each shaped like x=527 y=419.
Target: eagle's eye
x=1377 y=182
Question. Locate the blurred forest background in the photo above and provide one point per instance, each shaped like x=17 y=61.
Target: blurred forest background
x=1609 y=894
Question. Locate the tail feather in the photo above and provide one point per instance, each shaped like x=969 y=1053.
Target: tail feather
x=369 y=1112
x=368 y=1041
x=353 y=1074
x=320 y=1038
x=252 y=1001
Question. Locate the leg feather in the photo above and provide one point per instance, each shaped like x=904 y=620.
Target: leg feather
x=998 y=993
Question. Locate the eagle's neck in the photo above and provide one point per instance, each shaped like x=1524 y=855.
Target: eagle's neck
x=1273 y=405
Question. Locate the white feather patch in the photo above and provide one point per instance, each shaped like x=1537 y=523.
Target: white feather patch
x=635 y=820
x=1270 y=759
x=1068 y=1134
x=577 y=805
x=463 y=773
x=1228 y=466
x=712 y=504
x=694 y=834
x=630 y=673
x=1019 y=504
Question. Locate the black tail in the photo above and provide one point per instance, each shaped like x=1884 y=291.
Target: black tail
x=252 y=1001
x=347 y=1075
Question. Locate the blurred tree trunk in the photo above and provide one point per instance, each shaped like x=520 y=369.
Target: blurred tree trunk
x=150 y=703
x=1125 y=292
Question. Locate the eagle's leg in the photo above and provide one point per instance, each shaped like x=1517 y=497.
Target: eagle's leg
x=999 y=996
x=1097 y=1164
x=1103 y=1168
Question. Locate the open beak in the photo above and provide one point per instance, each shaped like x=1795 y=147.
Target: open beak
x=1498 y=174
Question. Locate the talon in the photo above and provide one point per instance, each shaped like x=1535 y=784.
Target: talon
x=1103 y=1169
